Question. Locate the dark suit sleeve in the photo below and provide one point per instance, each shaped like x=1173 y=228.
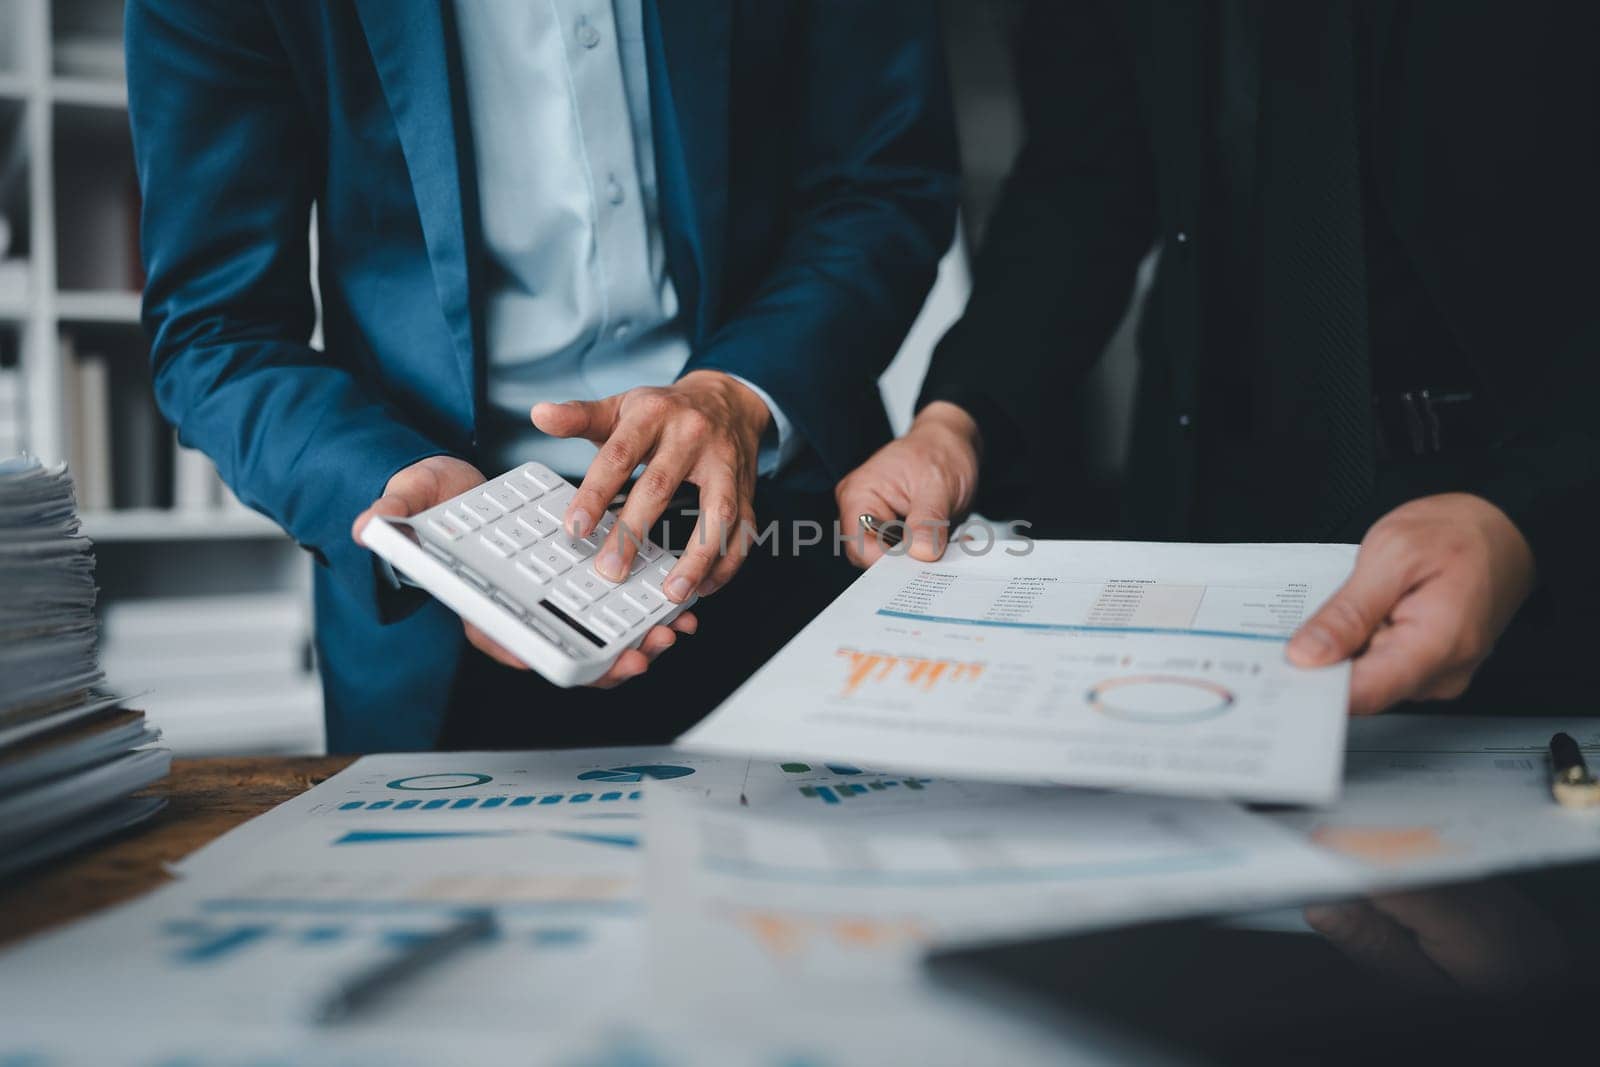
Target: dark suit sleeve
x=228 y=166
x=875 y=188
x=1506 y=249
x=1057 y=266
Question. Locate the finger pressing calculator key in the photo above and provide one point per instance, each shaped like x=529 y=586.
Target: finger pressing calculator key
x=498 y=555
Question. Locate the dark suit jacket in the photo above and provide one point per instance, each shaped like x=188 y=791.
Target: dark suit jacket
x=807 y=170
x=1486 y=135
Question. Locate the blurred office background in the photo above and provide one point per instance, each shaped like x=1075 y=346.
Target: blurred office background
x=205 y=605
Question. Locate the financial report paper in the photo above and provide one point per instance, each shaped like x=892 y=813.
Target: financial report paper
x=1156 y=667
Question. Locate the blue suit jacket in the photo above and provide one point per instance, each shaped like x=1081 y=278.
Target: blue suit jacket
x=807 y=173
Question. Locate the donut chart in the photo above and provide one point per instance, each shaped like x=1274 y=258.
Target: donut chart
x=440 y=781
x=1160 y=699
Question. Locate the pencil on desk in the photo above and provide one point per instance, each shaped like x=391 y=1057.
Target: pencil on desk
x=364 y=989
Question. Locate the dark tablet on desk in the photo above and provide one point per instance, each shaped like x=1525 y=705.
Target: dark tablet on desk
x=1209 y=991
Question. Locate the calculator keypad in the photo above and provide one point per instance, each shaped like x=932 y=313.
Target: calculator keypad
x=506 y=537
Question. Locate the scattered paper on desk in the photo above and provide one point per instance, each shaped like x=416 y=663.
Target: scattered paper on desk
x=742 y=902
x=232 y=960
x=431 y=796
x=1432 y=798
x=1158 y=667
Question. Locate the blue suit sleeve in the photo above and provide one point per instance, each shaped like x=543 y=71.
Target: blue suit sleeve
x=229 y=163
x=876 y=189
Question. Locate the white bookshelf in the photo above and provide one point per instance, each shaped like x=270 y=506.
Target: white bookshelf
x=68 y=193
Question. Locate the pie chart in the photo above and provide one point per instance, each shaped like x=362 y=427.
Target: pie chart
x=440 y=781
x=1160 y=699
x=660 y=772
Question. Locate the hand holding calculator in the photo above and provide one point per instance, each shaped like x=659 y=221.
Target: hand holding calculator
x=499 y=556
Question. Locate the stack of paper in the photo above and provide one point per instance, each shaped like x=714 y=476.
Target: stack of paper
x=69 y=756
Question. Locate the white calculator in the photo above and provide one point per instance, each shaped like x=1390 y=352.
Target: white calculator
x=499 y=556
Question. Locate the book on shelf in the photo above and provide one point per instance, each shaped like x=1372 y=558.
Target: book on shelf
x=13 y=412
x=98 y=57
x=196 y=486
x=140 y=440
x=86 y=389
x=14 y=282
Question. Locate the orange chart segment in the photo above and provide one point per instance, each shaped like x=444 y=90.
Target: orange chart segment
x=1384 y=846
x=914 y=672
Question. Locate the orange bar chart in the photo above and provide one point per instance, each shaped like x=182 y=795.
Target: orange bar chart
x=915 y=672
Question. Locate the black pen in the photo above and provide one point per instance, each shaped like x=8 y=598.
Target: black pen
x=873 y=525
x=360 y=991
x=1570 y=782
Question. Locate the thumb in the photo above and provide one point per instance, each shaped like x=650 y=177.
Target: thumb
x=591 y=419
x=391 y=506
x=862 y=548
x=928 y=526
x=1344 y=624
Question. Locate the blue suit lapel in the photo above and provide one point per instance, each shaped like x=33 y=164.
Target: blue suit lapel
x=411 y=50
x=688 y=48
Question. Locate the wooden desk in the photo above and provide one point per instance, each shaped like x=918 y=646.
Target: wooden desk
x=205 y=799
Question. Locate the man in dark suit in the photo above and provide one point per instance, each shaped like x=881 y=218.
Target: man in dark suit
x=686 y=235
x=1374 y=315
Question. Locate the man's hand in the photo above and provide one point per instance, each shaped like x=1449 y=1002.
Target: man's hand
x=433 y=481
x=1436 y=582
x=705 y=428
x=929 y=476
x=1481 y=937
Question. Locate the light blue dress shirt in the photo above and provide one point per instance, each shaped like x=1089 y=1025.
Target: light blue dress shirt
x=579 y=301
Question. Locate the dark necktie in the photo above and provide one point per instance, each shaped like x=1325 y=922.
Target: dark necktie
x=1316 y=371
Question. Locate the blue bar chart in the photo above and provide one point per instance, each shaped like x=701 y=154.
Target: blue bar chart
x=530 y=800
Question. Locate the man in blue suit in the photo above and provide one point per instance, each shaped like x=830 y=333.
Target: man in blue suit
x=688 y=234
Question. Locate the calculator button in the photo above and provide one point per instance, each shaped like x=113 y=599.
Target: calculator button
x=555 y=504
x=548 y=559
x=514 y=534
x=568 y=601
x=480 y=508
x=445 y=526
x=473 y=577
x=642 y=598
x=541 y=524
x=655 y=577
x=541 y=477
x=510 y=605
x=533 y=570
x=601 y=623
x=650 y=551
x=587 y=585
x=497 y=546
x=623 y=612
x=579 y=548
x=524 y=489
x=464 y=515
x=501 y=497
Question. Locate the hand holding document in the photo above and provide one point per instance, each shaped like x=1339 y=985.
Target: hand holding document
x=1157 y=667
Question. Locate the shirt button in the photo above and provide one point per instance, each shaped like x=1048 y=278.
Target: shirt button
x=1185 y=420
x=1183 y=237
x=613 y=189
x=588 y=36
